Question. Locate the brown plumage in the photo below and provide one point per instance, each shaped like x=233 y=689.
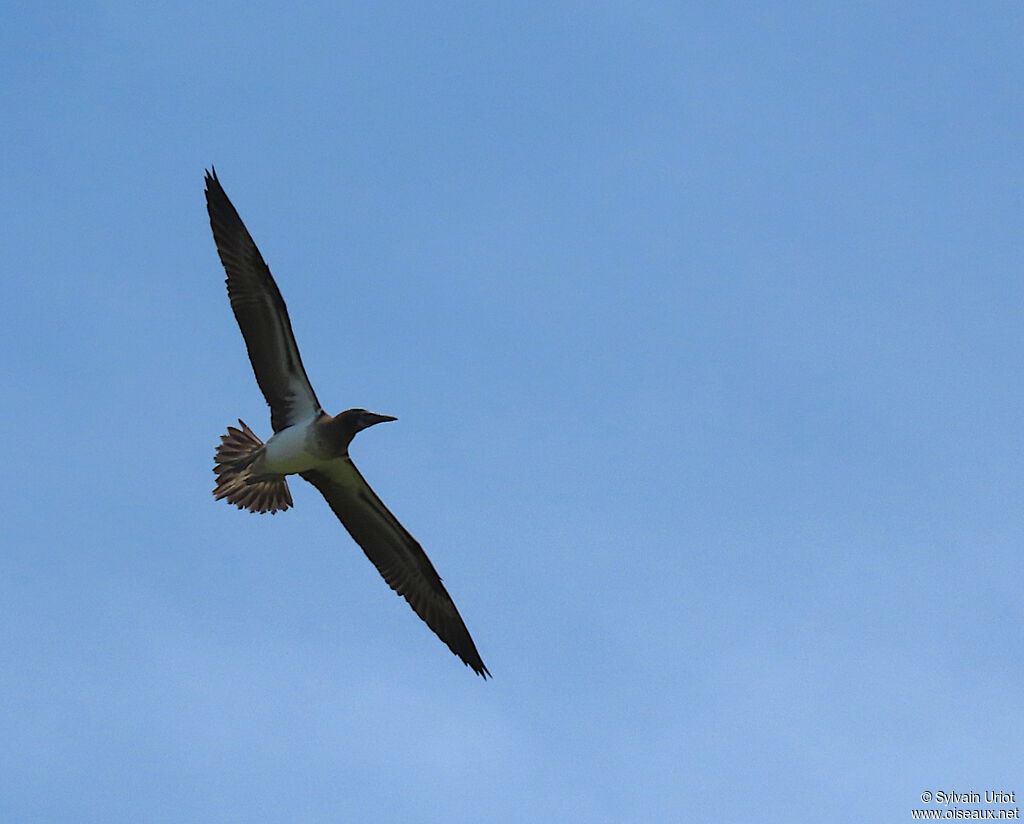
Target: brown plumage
x=235 y=481
x=252 y=474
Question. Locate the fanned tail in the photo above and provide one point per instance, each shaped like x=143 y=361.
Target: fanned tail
x=233 y=465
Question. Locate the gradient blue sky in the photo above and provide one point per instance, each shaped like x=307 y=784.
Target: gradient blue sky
x=703 y=324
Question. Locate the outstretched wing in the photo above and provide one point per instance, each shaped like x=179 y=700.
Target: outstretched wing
x=396 y=554
x=261 y=314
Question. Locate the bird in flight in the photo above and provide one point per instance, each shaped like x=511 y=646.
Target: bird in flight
x=309 y=442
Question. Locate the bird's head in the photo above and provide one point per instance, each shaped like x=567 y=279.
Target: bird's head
x=362 y=419
x=351 y=421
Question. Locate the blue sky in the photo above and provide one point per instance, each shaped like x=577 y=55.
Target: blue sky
x=703 y=326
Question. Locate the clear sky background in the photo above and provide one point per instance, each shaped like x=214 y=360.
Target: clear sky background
x=703 y=323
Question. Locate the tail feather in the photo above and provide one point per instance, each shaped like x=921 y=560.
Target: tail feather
x=233 y=466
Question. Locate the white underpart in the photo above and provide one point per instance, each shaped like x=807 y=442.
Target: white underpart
x=287 y=452
x=302 y=403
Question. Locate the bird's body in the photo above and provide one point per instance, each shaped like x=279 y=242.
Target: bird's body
x=295 y=449
x=309 y=442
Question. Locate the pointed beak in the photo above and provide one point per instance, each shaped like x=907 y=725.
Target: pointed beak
x=372 y=418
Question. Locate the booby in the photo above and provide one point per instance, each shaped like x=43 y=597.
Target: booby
x=310 y=443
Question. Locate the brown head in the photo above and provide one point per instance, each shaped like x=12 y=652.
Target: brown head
x=344 y=426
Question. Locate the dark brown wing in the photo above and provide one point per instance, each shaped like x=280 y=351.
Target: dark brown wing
x=396 y=554
x=261 y=314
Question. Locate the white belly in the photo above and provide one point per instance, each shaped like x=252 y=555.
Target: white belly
x=287 y=452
